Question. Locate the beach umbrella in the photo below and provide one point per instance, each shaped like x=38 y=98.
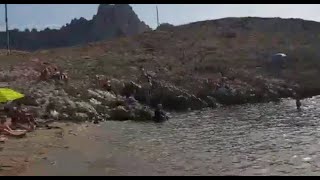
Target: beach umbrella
x=7 y=94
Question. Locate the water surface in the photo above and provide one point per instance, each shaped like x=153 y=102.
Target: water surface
x=256 y=139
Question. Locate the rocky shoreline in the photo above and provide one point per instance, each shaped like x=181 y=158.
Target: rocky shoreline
x=54 y=100
x=88 y=99
x=191 y=70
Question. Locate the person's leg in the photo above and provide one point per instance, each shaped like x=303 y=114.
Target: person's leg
x=8 y=128
x=5 y=129
x=14 y=133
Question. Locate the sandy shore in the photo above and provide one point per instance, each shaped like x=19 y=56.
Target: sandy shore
x=17 y=154
x=76 y=149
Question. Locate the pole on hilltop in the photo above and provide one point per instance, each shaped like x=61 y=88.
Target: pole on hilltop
x=7 y=29
x=157 y=16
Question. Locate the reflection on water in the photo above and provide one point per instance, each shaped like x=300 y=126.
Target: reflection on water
x=259 y=139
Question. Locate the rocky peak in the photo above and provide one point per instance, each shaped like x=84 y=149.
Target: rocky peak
x=111 y=21
x=121 y=17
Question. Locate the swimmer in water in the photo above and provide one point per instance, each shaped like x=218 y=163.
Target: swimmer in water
x=159 y=114
x=298 y=103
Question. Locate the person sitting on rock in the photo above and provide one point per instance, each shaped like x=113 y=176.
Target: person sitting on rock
x=131 y=101
x=44 y=74
x=56 y=75
x=159 y=114
x=20 y=118
x=59 y=76
x=5 y=129
x=103 y=83
x=107 y=86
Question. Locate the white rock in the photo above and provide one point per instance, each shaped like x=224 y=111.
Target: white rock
x=54 y=114
x=94 y=94
x=85 y=107
x=70 y=103
x=81 y=116
x=95 y=102
x=107 y=95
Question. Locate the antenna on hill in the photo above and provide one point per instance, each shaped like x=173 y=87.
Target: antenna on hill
x=6 y=19
x=157 y=16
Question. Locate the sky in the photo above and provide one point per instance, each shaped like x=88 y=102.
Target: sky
x=40 y=16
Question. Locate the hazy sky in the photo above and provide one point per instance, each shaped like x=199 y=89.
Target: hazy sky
x=56 y=15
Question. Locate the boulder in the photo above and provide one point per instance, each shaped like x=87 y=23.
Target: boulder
x=94 y=94
x=59 y=92
x=106 y=98
x=117 y=102
x=231 y=96
x=36 y=111
x=101 y=109
x=116 y=85
x=120 y=113
x=71 y=105
x=102 y=117
x=173 y=98
x=95 y=102
x=64 y=116
x=29 y=100
x=142 y=113
x=211 y=101
x=101 y=95
x=130 y=88
x=81 y=116
x=54 y=114
x=87 y=108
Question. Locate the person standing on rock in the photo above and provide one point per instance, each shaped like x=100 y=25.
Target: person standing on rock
x=149 y=85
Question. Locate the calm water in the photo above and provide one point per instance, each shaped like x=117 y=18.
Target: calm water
x=259 y=139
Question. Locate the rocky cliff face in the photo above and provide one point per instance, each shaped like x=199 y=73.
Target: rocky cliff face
x=111 y=21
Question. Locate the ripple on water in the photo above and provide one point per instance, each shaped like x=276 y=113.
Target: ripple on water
x=263 y=139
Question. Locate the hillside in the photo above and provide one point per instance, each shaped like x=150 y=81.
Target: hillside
x=198 y=49
x=197 y=65
x=111 y=21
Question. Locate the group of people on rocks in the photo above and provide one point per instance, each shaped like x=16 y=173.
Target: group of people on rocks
x=15 y=121
x=159 y=113
x=50 y=71
x=129 y=93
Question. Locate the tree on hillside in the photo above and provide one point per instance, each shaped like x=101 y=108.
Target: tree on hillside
x=165 y=26
x=34 y=30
